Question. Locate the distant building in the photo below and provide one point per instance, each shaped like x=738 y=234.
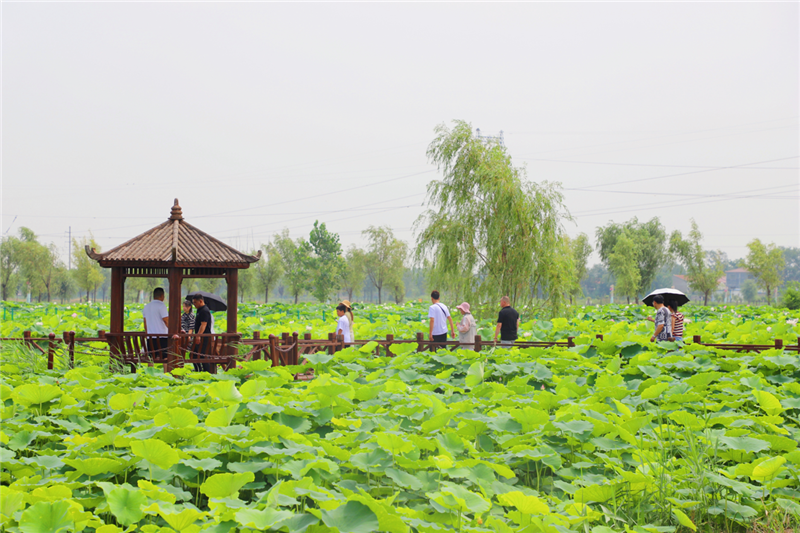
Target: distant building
x=679 y=282
x=735 y=278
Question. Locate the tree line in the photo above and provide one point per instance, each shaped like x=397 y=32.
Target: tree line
x=487 y=231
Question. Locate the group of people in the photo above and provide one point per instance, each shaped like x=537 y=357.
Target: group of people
x=156 y=323
x=668 y=321
x=440 y=321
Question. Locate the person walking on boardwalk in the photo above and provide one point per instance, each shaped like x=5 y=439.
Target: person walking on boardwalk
x=202 y=324
x=343 y=326
x=467 y=327
x=663 y=321
x=350 y=317
x=507 y=323
x=439 y=316
x=156 y=322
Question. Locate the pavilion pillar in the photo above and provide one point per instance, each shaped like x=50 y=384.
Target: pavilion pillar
x=175 y=301
x=233 y=298
x=117 y=318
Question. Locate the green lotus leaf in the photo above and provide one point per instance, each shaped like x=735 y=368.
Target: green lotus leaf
x=206 y=464
x=155 y=452
x=220 y=418
x=181 y=520
x=402 y=349
x=474 y=374
x=404 y=479
x=524 y=503
x=745 y=444
x=575 y=427
x=456 y=497
x=352 y=517
x=224 y=391
x=35 y=394
x=684 y=520
x=263 y=409
x=126 y=504
x=319 y=358
x=298 y=424
x=21 y=440
x=769 y=468
x=768 y=402
x=126 y=402
x=595 y=493
x=394 y=444
x=261 y=520
x=437 y=422
x=225 y=485
x=47 y=517
x=11 y=501
x=95 y=466
x=176 y=417
x=654 y=391
x=254 y=387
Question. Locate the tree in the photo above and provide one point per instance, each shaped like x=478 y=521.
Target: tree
x=10 y=262
x=326 y=263
x=702 y=275
x=765 y=262
x=749 y=290
x=385 y=259
x=354 y=272
x=597 y=282
x=245 y=280
x=87 y=273
x=622 y=263
x=296 y=256
x=269 y=270
x=791 y=257
x=63 y=284
x=488 y=231
x=580 y=250
x=650 y=245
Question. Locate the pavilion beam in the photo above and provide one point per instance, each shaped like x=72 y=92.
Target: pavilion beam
x=233 y=298
x=175 y=307
x=117 y=318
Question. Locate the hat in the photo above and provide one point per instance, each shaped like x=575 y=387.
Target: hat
x=463 y=307
x=347 y=303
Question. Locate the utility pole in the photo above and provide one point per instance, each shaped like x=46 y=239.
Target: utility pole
x=491 y=138
x=69 y=249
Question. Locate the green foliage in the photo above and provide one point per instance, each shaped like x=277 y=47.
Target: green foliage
x=488 y=231
x=649 y=240
x=354 y=272
x=765 y=262
x=326 y=263
x=296 y=257
x=87 y=273
x=622 y=263
x=384 y=262
x=791 y=296
x=749 y=290
x=269 y=270
x=701 y=276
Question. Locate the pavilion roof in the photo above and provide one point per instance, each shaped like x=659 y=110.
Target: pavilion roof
x=174 y=243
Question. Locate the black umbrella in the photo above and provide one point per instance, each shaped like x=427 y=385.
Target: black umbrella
x=214 y=302
x=673 y=295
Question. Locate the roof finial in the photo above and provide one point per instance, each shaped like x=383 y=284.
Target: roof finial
x=176 y=213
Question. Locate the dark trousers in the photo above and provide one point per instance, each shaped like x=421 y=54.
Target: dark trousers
x=157 y=346
x=439 y=339
x=201 y=349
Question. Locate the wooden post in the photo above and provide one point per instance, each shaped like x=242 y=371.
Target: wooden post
x=697 y=339
x=307 y=336
x=101 y=334
x=599 y=336
x=26 y=338
x=570 y=341
x=420 y=342
x=233 y=298
x=389 y=339
x=331 y=339
x=478 y=343
x=339 y=343
x=69 y=340
x=273 y=351
x=175 y=301
x=51 y=350
x=117 y=317
x=172 y=353
x=779 y=343
x=296 y=350
x=233 y=350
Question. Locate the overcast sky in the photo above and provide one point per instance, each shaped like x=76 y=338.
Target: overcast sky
x=264 y=116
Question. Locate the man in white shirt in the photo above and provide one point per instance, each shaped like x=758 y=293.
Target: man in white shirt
x=439 y=316
x=156 y=322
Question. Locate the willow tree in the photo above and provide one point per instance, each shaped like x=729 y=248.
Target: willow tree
x=488 y=231
x=702 y=273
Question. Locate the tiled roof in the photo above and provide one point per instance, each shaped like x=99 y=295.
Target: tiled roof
x=737 y=270
x=174 y=241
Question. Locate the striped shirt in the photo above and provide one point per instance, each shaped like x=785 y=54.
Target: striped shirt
x=678 y=328
x=187 y=322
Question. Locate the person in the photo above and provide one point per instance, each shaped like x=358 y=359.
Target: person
x=343 y=324
x=156 y=322
x=507 y=323
x=202 y=324
x=350 y=317
x=187 y=318
x=662 y=320
x=677 y=321
x=467 y=328
x=439 y=316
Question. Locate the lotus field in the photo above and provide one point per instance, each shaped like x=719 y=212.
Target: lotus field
x=607 y=436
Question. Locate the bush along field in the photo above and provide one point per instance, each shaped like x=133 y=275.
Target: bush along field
x=602 y=437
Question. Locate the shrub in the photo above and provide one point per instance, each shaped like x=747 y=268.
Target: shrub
x=791 y=298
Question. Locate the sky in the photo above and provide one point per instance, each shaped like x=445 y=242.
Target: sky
x=264 y=116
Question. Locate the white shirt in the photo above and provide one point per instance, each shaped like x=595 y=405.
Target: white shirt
x=344 y=324
x=154 y=314
x=439 y=312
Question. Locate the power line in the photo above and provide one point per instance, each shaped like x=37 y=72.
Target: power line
x=658 y=193
x=652 y=165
